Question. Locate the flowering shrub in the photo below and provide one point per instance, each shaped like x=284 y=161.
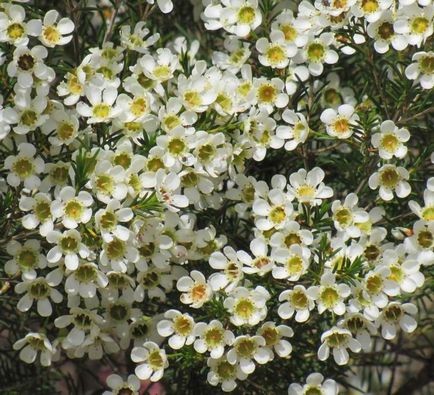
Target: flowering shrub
x=231 y=195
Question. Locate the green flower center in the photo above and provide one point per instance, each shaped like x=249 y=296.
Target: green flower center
x=294 y=265
x=337 y=339
x=426 y=64
x=344 y=217
x=374 y=284
x=329 y=296
x=23 y=167
x=39 y=289
x=246 y=15
x=86 y=273
x=226 y=371
x=244 y=308
x=213 y=337
x=206 y=152
x=419 y=25
x=246 y=348
x=27 y=259
x=182 y=325
x=119 y=312
x=29 y=117
x=74 y=209
x=299 y=299
x=155 y=360
x=104 y=184
x=390 y=178
x=42 y=210
x=389 y=143
x=176 y=146
x=116 y=249
x=69 y=244
x=425 y=239
x=315 y=52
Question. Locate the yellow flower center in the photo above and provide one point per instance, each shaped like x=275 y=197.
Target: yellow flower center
x=101 y=111
x=73 y=209
x=390 y=178
x=277 y=214
x=246 y=15
x=294 y=265
x=29 y=117
x=344 y=217
x=182 y=325
x=139 y=106
x=426 y=64
x=299 y=299
x=419 y=25
x=23 y=167
x=374 y=284
x=244 y=308
x=289 y=32
x=276 y=54
x=192 y=98
x=267 y=93
x=15 y=31
x=369 y=6
x=389 y=142
x=51 y=34
x=329 y=296
x=315 y=52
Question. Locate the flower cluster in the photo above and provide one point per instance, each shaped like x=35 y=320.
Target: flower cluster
x=142 y=227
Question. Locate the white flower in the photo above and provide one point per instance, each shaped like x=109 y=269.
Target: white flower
x=85 y=323
x=315 y=385
x=396 y=315
x=152 y=361
x=247 y=349
x=376 y=289
x=421 y=242
x=389 y=141
x=71 y=208
x=307 y=187
x=415 y=23
x=24 y=167
x=422 y=69
x=69 y=245
x=108 y=221
x=247 y=307
x=27 y=63
x=238 y=17
x=178 y=328
x=274 y=336
x=231 y=270
x=167 y=186
x=391 y=178
x=85 y=280
x=119 y=385
x=383 y=32
x=41 y=290
x=296 y=132
x=212 y=337
x=41 y=216
x=56 y=33
x=348 y=216
x=276 y=53
x=339 y=340
x=297 y=300
x=224 y=373
x=161 y=67
x=316 y=52
x=260 y=263
x=360 y=327
x=329 y=295
x=194 y=288
x=274 y=212
x=109 y=182
x=13 y=29
x=101 y=109
x=291 y=263
x=270 y=94
x=28 y=113
x=32 y=344
x=118 y=254
x=136 y=41
x=26 y=259
x=340 y=123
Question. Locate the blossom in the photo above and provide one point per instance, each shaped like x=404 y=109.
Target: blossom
x=195 y=290
x=339 y=123
x=338 y=340
x=178 y=328
x=307 y=187
x=151 y=359
x=390 y=141
x=389 y=179
x=31 y=345
x=315 y=382
x=24 y=167
x=56 y=32
x=422 y=69
x=297 y=300
x=117 y=384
